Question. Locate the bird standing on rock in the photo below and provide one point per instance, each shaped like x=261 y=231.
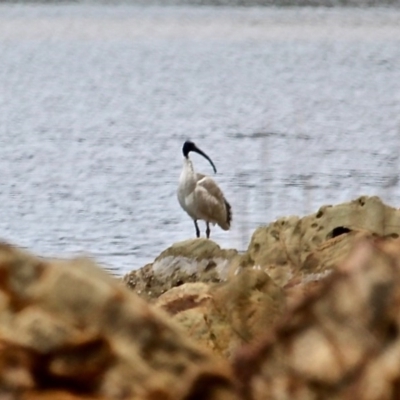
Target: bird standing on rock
x=200 y=196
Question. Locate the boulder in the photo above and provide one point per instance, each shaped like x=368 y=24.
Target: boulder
x=286 y=249
x=195 y=260
x=341 y=341
x=223 y=299
x=224 y=316
x=318 y=242
x=68 y=330
x=331 y=253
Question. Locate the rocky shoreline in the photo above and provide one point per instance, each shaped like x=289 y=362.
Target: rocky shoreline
x=310 y=310
x=286 y=249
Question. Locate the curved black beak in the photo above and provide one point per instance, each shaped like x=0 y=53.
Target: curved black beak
x=201 y=152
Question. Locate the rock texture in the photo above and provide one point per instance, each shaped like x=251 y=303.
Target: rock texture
x=340 y=342
x=69 y=331
x=295 y=246
x=223 y=299
x=196 y=260
x=223 y=317
x=310 y=311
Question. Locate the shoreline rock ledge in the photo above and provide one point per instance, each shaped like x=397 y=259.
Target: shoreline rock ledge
x=286 y=248
x=223 y=299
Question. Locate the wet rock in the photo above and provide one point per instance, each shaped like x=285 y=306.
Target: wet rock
x=294 y=246
x=195 y=260
x=70 y=331
x=341 y=341
x=224 y=316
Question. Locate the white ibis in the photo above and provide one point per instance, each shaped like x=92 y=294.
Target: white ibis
x=200 y=196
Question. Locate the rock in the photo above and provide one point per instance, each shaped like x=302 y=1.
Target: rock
x=224 y=316
x=286 y=249
x=341 y=341
x=70 y=331
x=196 y=260
x=318 y=242
x=320 y=263
x=331 y=253
x=299 y=317
x=184 y=297
x=213 y=295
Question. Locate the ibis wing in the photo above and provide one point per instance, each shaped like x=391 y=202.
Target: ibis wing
x=199 y=176
x=211 y=203
x=211 y=187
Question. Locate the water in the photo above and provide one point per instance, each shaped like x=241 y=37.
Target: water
x=297 y=108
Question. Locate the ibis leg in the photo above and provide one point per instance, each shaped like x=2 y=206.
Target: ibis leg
x=208 y=230
x=197 y=229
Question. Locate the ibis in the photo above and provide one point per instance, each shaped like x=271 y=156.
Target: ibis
x=200 y=196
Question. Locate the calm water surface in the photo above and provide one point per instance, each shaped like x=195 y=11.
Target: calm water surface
x=297 y=108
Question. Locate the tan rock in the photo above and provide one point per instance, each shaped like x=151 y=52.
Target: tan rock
x=195 y=260
x=184 y=297
x=223 y=300
x=320 y=263
x=331 y=253
x=275 y=248
x=224 y=316
x=286 y=249
x=318 y=242
x=70 y=331
x=342 y=341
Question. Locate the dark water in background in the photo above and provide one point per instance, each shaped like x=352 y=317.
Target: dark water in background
x=297 y=107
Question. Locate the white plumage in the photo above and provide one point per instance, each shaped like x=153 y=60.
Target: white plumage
x=200 y=196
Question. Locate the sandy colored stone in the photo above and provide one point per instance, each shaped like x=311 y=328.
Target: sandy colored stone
x=286 y=249
x=68 y=328
x=320 y=241
x=217 y=296
x=320 y=263
x=224 y=316
x=194 y=260
x=332 y=252
x=184 y=297
x=341 y=341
